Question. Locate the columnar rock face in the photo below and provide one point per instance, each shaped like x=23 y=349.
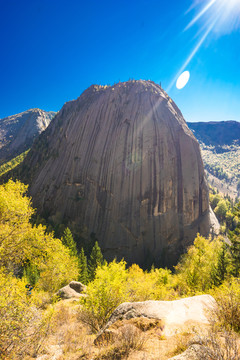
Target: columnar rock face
x=17 y=132
x=120 y=162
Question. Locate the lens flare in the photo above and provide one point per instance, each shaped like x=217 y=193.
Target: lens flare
x=227 y=13
x=182 y=80
x=219 y=16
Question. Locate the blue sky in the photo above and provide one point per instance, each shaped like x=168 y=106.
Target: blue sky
x=52 y=50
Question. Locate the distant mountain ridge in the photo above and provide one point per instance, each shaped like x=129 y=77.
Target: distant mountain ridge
x=17 y=132
x=217 y=133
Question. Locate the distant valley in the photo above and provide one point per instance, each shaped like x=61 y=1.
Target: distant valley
x=220 y=146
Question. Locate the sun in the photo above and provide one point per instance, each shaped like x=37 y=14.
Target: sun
x=222 y=15
x=229 y=7
x=213 y=16
x=228 y=13
x=231 y=3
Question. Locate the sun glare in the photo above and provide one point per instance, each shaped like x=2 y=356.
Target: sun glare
x=182 y=80
x=232 y=3
x=226 y=12
x=218 y=16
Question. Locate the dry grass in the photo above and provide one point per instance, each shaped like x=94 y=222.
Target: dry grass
x=181 y=343
x=70 y=339
x=128 y=339
x=142 y=323
x=222 y=342
x=67 y=335
x=134 y=339
x=218 y=345
x=227 y=311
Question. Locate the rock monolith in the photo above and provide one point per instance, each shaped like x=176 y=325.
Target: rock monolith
x=120 y=163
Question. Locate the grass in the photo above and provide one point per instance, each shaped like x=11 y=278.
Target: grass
x=129 y=338
x=71 y=339
x=141 y=338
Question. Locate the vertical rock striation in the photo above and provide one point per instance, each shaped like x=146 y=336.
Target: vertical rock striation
x=121 y=162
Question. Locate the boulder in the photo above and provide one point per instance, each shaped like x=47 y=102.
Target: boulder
x=77 y=286
x=73 y=290
x=214 y=223
x=175 y=315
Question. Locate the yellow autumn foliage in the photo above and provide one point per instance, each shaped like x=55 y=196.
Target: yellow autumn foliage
x=22 y=321
x=22 y=243
x=195 y=269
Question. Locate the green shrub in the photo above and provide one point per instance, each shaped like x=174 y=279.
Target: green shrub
x=154 y=285
x=104 y=294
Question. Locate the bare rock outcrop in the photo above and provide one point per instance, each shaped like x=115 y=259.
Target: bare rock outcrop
x=175 y=315
x=214 y=223
x=121 y=162
x=73 y=290
x=17 y=132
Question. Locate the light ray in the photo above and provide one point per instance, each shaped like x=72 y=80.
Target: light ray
x=200 y=14
x=197 y=47
x=228 y=12
x=220 y=11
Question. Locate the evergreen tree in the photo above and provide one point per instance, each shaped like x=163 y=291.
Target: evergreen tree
x=68 y=241
x=96 y=259
x=234 y=237
x=31 y=273
x=220 y=271
x=83 y=268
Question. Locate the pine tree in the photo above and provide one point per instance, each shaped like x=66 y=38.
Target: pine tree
x=83 y=268
x=68 y=241
x=96 y=259
x=31 y=273
x=234 y=237
x=221 y=269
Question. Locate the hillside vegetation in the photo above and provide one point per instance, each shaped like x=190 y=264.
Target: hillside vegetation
x=220 y=147
x=223 y=169
x=33 y=321
x=11 y=164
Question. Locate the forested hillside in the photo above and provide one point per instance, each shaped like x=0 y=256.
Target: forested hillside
x=35 y=322
x=220 y=145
